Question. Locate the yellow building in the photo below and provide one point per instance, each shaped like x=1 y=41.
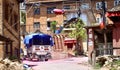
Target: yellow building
x=40 y=13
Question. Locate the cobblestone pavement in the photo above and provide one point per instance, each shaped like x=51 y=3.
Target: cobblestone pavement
x=74 y=63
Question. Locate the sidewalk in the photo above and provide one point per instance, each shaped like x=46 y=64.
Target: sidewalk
x=59 y=55
x=81 y=60
x=59 y=60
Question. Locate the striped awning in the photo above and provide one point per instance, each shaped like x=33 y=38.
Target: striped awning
x=69 y=41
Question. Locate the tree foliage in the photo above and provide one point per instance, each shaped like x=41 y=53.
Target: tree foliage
x=80 y=34
x=23 y=17
x=80 y=31
x=53 y=26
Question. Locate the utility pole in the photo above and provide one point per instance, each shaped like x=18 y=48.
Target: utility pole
x=104 y=30
x=104 y=11
x=79 y=11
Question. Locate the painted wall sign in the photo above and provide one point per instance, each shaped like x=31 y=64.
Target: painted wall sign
x=90 y=37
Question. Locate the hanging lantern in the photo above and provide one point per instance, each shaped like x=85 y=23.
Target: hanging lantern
x=58 y=11
x=102 y=25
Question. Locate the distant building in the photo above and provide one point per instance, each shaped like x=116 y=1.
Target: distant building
x=9 y=28
x=39 y=13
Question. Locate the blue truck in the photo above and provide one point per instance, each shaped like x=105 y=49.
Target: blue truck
x=38 y=46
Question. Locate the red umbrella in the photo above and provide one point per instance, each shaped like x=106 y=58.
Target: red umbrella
x=58 y=11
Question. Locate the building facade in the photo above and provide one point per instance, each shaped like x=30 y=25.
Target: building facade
x=10 y=28
x=101 y=37
x=40 y=13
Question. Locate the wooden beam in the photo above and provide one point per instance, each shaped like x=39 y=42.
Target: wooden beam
x=3 y=38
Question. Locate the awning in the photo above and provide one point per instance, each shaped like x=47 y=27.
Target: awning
x=113 y=14
x=69 y=41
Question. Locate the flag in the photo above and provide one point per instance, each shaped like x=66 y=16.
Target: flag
x=102 y=26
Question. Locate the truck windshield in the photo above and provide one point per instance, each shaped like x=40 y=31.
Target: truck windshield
x=41 y=40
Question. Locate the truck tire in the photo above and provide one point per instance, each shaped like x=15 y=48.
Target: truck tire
x=46 y=59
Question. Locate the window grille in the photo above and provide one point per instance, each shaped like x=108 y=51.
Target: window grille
x=50 y=10
x=36 y=25
x=99 y=5
x=36 y=10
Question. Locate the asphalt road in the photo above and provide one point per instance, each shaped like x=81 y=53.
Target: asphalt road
x=79 y=63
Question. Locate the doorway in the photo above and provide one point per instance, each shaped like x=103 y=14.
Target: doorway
x=100 y=42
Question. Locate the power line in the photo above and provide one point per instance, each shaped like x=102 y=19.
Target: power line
x=41 y=4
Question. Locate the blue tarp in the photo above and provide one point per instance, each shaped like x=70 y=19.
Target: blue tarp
x=28 y=38
x=38 y=39
x=59 y=31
